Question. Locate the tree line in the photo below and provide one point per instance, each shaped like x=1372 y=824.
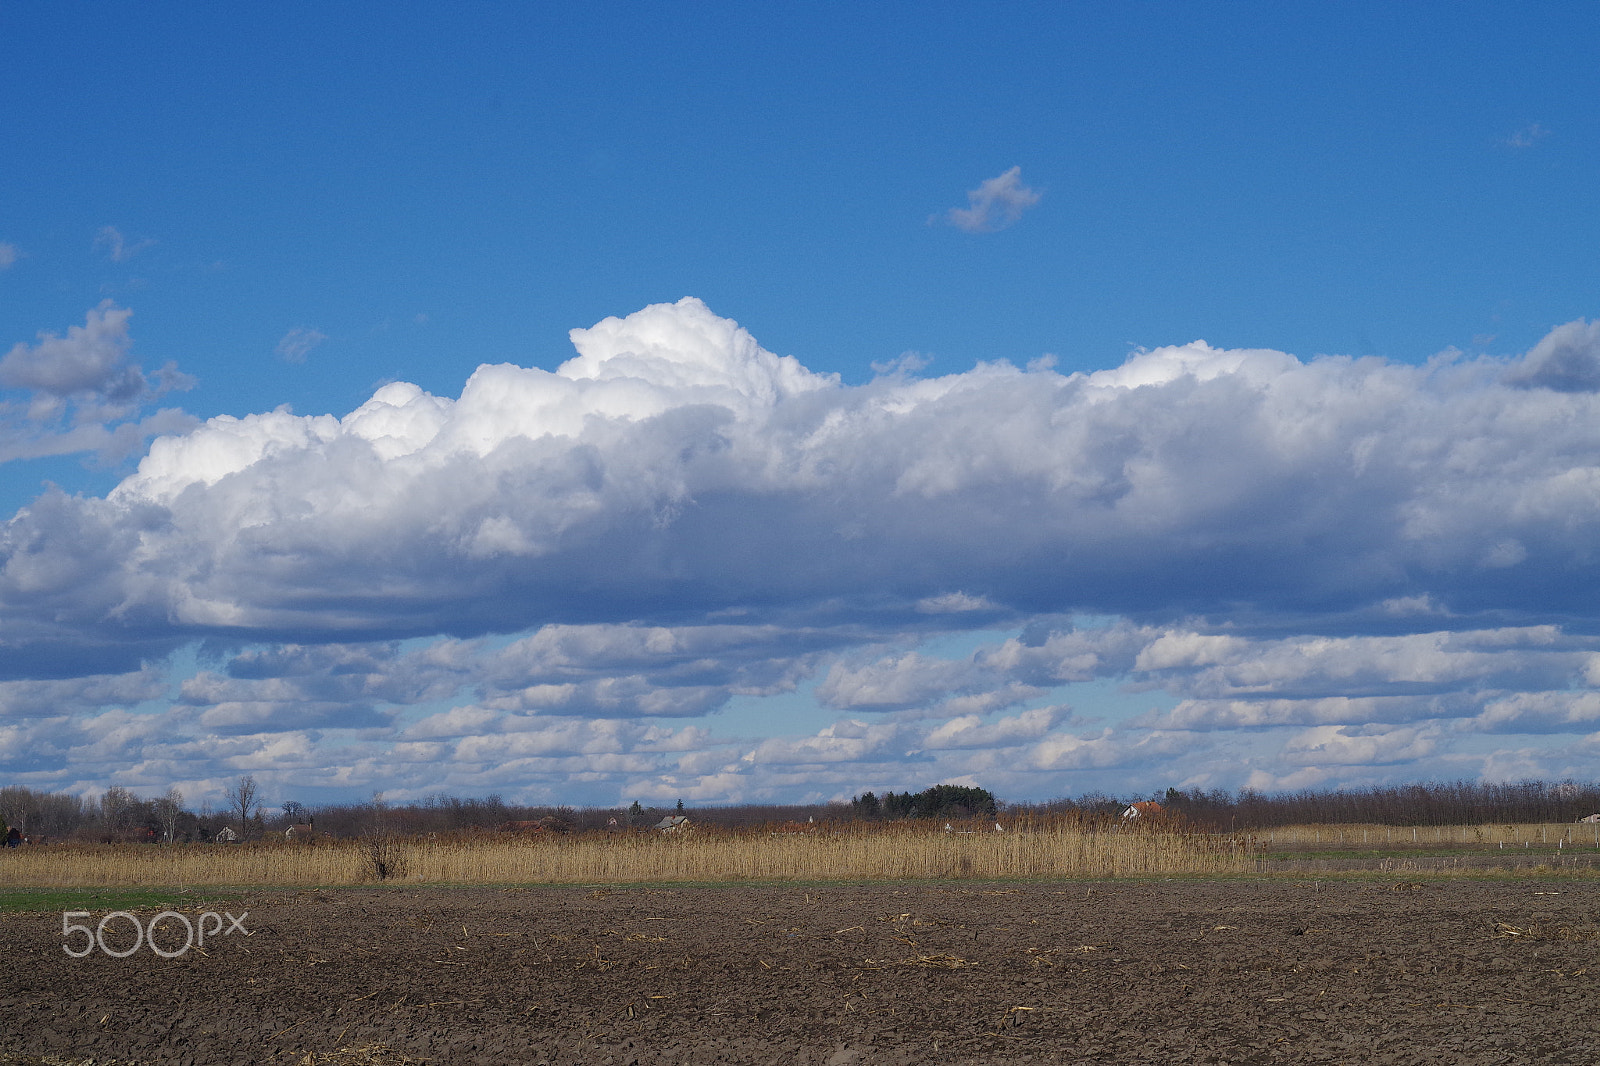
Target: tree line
x=1419 y=804
x=119 y=815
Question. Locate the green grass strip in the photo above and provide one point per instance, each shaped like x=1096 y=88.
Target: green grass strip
x=26 y=900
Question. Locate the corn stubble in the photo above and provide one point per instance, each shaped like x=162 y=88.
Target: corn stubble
x=1064 y=847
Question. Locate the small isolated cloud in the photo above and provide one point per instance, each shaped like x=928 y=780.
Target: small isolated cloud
x=9 y=254
x=1527 y=137
x=91 y=358
x=82 y=390
x=995 y=204
x=954 y=603
x=298 y=342
x=906 y=364
x=117 y=247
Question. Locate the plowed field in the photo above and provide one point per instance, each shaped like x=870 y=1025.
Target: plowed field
x=1371 y=971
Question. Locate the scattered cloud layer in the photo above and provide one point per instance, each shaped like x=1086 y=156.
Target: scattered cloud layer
x=995 y=204
x=1207 y=566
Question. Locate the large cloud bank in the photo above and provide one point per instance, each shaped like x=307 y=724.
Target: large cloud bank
x=1376 y=563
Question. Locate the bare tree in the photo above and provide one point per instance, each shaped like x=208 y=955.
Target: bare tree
x=117 y=807
x=19 y=808
x=168 y=809
x=294 y=812
x=385 y=853
x=243 y=800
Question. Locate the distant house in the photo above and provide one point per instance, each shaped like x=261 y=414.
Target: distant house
x=299 y=832
x=674 y=823
x=1590 y=819
x=1142 y=809
x=226 y=835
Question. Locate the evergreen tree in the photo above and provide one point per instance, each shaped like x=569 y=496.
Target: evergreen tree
x=865 y=805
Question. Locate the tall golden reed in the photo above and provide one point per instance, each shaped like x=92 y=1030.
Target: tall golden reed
x=1063 y=848
x=1375 y=835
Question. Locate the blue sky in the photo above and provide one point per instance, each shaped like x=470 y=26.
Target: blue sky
x=929 y=480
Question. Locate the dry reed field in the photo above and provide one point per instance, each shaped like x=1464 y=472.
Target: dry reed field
x=1556 y=834
x=1060 y=849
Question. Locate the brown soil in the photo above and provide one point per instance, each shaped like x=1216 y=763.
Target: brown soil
x=1372 y=971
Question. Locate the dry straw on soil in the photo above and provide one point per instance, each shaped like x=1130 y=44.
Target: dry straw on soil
x=1060 y=849
x=1548 y=931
